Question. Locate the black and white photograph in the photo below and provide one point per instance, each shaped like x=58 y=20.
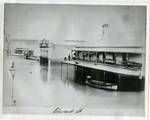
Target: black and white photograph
x=74 y=59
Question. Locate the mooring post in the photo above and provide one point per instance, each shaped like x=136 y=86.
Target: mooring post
x=67 y=71
x=61 y=69
x=12 y=91
x=104 y=78
x=119 y=79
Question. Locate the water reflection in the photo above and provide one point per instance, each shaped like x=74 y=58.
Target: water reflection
x=47 y=81
x=64 y=75
x=44 y=73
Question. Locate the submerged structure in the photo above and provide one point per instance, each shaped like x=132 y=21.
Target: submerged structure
x=109 y=67
x=24 y=52
x=44 y=46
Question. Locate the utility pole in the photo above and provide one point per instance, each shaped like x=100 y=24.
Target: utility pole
x=12 y=71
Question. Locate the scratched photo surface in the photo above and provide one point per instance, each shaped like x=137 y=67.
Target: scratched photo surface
x=74 y=59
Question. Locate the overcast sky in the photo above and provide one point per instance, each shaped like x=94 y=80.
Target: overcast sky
x=74 y=22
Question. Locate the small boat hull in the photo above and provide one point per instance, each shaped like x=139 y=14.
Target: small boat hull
x=108 y=80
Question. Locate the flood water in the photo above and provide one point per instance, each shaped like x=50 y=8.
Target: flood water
x=39 y=86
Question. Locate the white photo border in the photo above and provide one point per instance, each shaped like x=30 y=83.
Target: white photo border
x=77 y=2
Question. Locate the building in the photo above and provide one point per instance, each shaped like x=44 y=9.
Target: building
x=109 y=67
x=44 y=46
x=24 y=52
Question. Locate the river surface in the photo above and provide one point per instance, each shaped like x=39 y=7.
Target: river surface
x=39 y=86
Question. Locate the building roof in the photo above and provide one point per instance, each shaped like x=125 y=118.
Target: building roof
x=111 y=49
